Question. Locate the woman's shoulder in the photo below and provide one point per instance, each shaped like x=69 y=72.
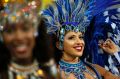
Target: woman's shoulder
x=100 y=69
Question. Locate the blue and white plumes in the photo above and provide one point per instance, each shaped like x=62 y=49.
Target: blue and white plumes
x=106 y=25
x=67 y=14
x=98 y=6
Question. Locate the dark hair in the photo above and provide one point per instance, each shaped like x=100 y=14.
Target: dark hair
x=57 y=53
x=42 y=51
x=87 y=35
x=1 y=5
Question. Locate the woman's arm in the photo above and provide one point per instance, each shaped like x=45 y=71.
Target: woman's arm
x=106 y=74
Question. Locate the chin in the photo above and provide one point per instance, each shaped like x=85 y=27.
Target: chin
x=23 y=56
x=79 y=55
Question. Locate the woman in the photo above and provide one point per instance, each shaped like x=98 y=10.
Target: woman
x=24 y=50
x=68 y=20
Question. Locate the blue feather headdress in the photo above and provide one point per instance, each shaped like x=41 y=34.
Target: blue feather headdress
x=98 y=6
x=66 y=15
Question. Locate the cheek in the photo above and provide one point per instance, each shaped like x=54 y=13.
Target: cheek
x=30 y=39
x=68 y=45
x=83 y=42
x=30 y=36
x=8 y=38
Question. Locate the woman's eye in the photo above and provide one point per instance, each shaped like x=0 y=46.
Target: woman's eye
x=81 y=37
x=71 y=37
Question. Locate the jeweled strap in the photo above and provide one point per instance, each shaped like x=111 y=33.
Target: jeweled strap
x=94 y=69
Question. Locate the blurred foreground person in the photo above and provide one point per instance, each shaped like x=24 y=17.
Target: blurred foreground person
x=24 y=50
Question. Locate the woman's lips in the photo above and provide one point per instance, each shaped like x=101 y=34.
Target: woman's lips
x=78 y=48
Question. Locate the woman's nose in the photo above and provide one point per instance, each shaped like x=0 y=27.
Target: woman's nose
x=19 y=35
x=79 y=41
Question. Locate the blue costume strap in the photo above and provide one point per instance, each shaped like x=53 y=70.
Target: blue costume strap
x=93 y=68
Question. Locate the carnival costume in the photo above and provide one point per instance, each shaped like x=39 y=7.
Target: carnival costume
x=15 y=12
x=69 y=15
x=105 y=24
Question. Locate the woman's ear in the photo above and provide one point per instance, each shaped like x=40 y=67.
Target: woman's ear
x=35 y=31
x=58 y=45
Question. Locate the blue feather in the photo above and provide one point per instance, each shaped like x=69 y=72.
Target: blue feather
x=69 y=12
x=97 y=6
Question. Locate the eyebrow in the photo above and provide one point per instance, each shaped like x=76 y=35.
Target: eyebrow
x=9 y=26
x=75 y=35
x=80 y=35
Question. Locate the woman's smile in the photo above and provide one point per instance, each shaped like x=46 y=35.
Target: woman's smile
x=78 y=48
x=20 y=48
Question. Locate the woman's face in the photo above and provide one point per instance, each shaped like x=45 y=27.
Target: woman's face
x=19 y=39
x=73 y=44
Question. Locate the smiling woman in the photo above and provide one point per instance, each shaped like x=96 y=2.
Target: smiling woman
x=24 y=50
x=66 y=19
x=19 y=39
x=73 y=45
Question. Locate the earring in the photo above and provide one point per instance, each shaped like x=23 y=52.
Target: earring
x=60 y=45
x=36 y=33
x=1 y=38
x=1 y=29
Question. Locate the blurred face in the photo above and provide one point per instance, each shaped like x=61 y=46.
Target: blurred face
x=19 y=39
x=73 y=44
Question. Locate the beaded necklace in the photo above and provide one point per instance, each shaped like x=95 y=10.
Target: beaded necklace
x=77 y=69
x=24 y=72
